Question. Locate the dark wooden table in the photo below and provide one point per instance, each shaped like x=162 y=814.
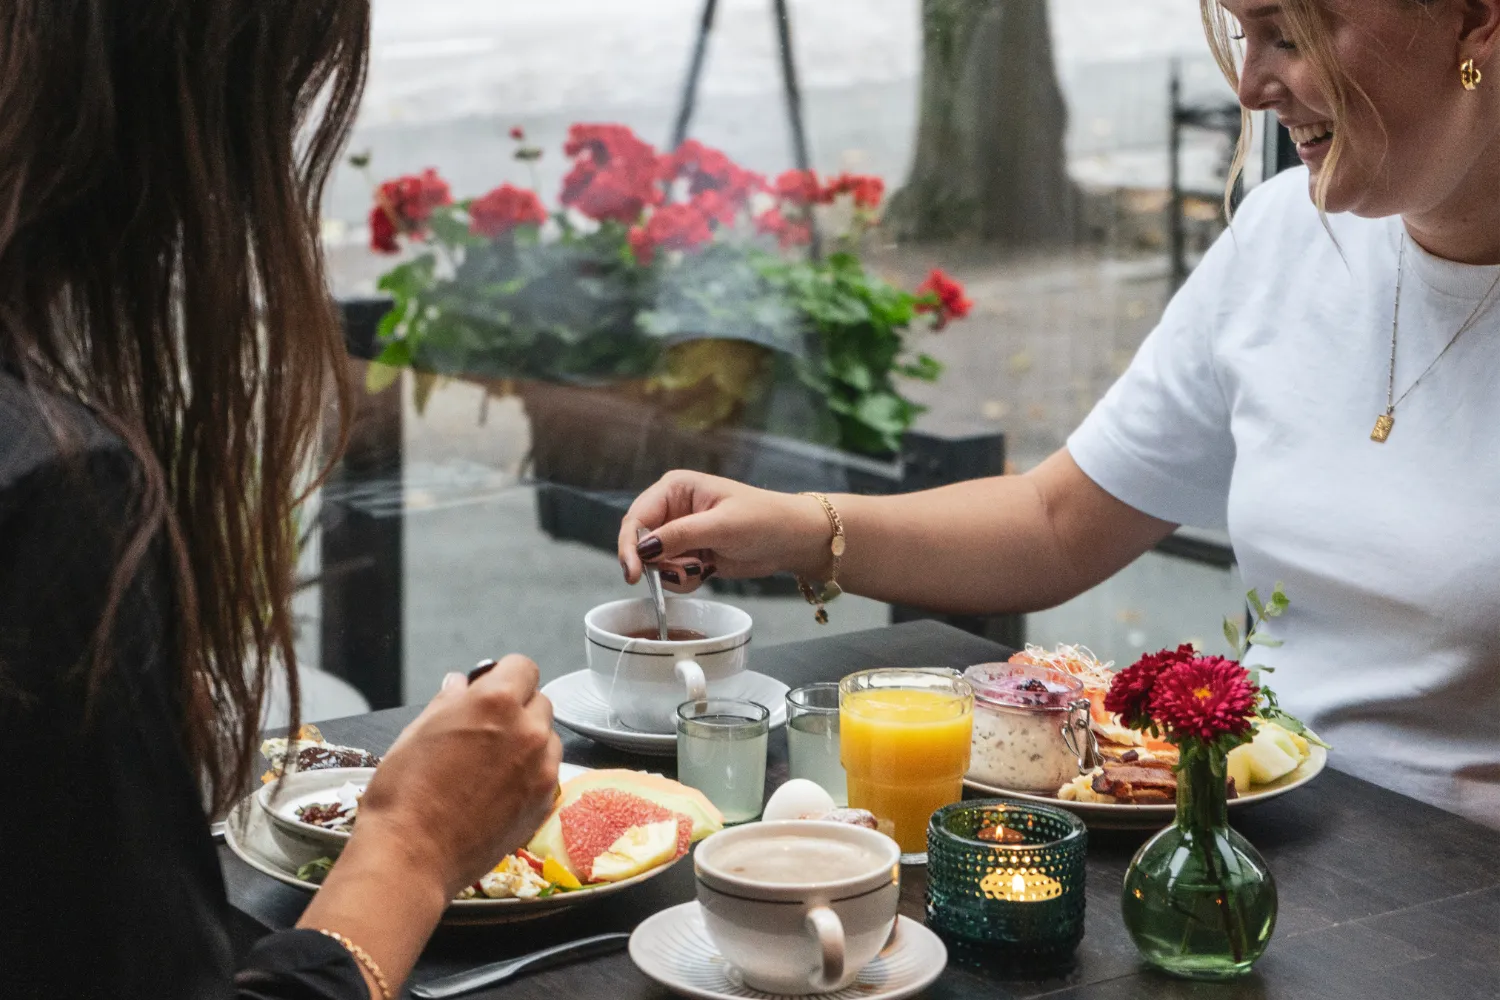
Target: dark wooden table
x=1381 y=896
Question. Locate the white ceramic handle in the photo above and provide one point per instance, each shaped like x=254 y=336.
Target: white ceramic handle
x=692 y=678
x=829 y=930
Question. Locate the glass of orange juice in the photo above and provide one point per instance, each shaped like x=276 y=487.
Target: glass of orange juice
x=904 y=739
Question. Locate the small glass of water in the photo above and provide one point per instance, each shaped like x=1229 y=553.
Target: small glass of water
x=812 y=738
x=721 y=751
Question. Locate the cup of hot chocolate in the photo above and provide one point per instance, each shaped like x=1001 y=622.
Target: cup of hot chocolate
x=645 y=678
x=798 y=907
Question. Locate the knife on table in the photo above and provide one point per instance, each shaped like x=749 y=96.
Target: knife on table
x=499 y=972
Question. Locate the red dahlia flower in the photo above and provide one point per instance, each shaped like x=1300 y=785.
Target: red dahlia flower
x=1129 y=694
x=614 y=173
x=1205 y=698
x=942 y=295
x=503 y=209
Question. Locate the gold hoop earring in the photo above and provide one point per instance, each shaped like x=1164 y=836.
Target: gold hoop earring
x=1469 y=75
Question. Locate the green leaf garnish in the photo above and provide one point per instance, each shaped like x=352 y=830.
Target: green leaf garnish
x=315 y=871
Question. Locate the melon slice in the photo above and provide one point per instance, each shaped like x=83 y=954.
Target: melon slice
x=589 y=826
x=639 y=849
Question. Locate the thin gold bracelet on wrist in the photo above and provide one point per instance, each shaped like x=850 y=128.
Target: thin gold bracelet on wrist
x=363 y=958
x=820 y=596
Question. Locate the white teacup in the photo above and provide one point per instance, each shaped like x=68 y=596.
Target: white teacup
x=798 y=907
x=644 y=680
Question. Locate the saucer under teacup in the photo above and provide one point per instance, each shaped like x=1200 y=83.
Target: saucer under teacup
x=576 y=705
x=673 y=948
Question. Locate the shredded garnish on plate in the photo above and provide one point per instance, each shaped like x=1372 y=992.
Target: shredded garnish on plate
x=1079 y=661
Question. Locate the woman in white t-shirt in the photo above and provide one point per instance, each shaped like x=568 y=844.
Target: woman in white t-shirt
x=1351 y=452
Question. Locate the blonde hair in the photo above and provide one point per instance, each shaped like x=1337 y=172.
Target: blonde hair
x=1307 y=26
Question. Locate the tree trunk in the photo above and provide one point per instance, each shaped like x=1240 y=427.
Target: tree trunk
x=990 y=162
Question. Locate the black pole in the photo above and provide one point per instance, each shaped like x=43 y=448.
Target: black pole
x=1175 y=225
x=794 y=107
x=695 y=71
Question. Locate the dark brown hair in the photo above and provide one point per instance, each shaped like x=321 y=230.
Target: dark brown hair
x=161 y=168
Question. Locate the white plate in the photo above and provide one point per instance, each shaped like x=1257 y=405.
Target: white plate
x=674 y=948
x=577 y=705
x=248 y=834
x=1113 y=816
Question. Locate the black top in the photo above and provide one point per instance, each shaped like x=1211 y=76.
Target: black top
x=109 y=882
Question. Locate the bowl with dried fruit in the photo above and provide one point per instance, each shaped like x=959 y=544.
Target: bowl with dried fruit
x=312 y=813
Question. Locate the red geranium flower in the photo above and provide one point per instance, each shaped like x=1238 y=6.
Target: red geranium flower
x=382 y=231
x=641 y=245
x=518 y=133
x=867 y=190
x=410 y=201
x=717 y=207
x=614 y=174
x=789 y=233
x=503 y=209
x=1205 y=698
x=800 y=187
x=671 y=227
x=1129 y=694
x=942 y=295
x=709 y=171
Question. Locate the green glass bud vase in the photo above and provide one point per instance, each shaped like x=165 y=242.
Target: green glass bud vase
x=1199 y=900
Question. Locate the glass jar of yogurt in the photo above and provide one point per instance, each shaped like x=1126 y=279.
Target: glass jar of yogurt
x=1022 y=717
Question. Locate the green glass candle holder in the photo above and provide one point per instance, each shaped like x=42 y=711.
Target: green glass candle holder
x=1005 y=880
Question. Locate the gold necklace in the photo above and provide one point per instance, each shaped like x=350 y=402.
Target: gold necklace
x=1386 y=422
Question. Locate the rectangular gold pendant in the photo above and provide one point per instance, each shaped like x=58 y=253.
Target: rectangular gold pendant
x=1382 y=431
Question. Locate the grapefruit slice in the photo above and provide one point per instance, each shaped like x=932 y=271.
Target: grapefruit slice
x=592 y=825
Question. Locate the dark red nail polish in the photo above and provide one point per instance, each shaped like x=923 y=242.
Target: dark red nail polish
x=709 y=571
x=670 y=575
x=650 y=548
x=484 y=667
x=693 y=570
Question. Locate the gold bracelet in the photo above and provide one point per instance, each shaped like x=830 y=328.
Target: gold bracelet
x=820 y=597
x=363 y=958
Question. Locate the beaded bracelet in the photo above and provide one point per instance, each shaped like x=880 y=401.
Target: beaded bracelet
x=363 y=958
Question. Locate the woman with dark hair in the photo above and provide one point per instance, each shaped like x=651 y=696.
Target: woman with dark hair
x=168 y=352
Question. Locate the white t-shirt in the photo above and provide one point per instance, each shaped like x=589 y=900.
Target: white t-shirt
x=1250 y=408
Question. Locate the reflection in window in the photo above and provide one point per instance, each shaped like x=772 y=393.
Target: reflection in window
x=986 y=235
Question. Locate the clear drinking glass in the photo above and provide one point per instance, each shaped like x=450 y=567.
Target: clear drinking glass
x=812 y=738
x=905 y=738
x=721 y=751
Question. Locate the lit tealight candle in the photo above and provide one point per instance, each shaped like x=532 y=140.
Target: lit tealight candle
x=1020 y=886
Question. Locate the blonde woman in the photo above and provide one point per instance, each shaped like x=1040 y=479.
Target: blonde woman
x=1324 y=386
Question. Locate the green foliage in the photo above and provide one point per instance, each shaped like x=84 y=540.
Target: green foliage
x=1270 y=708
